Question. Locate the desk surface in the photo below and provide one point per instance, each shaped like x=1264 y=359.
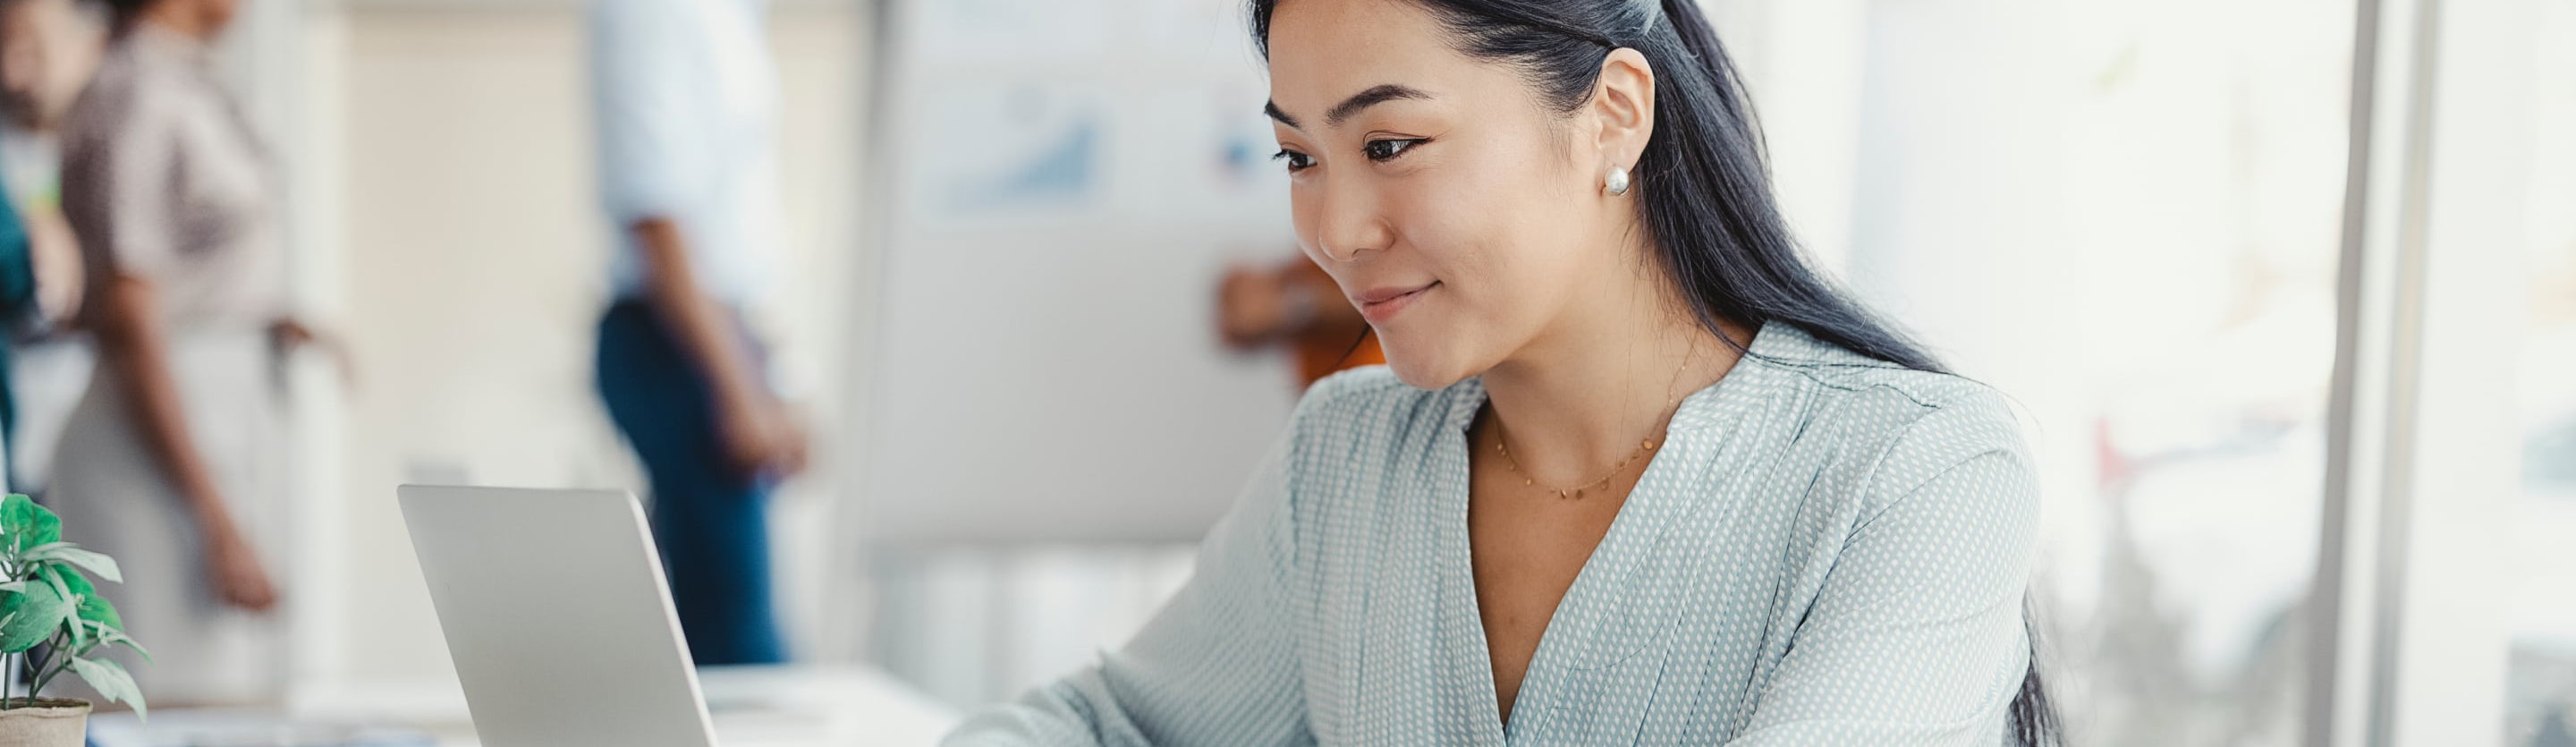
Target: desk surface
x=793 y=706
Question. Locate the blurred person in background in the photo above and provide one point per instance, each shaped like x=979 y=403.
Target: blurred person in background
x=1634 y=473
x=48 y=50
x=18 y=300
x=1295 y=304
x=685 y=96
x=170 y=462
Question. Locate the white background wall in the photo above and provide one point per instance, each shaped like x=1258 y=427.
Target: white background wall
x=1049 y=368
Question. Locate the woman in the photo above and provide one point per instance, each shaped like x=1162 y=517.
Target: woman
x=167 y=462
x=1634 y=473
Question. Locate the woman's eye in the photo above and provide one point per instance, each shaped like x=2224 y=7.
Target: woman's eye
x=1296 y=161
x=1383 y=150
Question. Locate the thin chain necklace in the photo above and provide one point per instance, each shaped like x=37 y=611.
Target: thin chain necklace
x=1644 y=446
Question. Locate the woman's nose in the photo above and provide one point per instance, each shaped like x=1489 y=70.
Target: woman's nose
x=1348 y=221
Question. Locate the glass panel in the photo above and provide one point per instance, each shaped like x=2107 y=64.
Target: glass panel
x=2127 y=217
x=2540 y=690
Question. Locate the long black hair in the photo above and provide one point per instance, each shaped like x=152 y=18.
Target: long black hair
x=1703 y=184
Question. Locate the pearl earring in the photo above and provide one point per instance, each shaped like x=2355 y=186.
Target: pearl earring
x=1617 y=181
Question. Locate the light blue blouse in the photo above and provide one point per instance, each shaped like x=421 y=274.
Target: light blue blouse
x=1828 y=550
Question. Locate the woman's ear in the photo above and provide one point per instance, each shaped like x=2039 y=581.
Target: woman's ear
x=1624 y=102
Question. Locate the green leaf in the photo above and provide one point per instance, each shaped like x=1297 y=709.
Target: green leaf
x=71 y=617
x=29 y=617
x=65 y=552
x=91 y=606
x=111 y=681
x=96 y=610
x=28 y=525
x=110 y=636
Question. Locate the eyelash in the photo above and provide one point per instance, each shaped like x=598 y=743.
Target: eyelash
x=1296 y=161
x=1400 y=146
x=1375 y=150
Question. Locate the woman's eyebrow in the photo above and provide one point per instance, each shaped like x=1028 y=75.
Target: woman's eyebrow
x=1378 y=94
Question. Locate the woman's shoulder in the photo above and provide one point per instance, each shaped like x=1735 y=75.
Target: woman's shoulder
x=1926 y=424
x=119 y=101
x=1911 y=425
x=106 y=99
x=1901 y=402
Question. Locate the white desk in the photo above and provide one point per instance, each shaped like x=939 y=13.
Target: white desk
x=796 y=707
x=752 y=707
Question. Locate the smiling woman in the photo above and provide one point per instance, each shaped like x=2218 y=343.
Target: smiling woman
x=1634 y=472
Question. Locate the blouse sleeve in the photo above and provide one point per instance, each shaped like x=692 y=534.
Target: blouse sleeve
x=1917 y=637
x=1217 y=665
x=120 y=171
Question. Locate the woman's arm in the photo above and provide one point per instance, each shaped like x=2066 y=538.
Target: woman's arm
x=1916 y=636
x=56 y=259
x=135 y=350
x=1217 y=665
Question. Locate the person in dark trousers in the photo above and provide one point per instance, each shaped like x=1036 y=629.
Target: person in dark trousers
x=684 y=93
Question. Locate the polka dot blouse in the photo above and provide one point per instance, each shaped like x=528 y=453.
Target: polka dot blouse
x=1827 y=550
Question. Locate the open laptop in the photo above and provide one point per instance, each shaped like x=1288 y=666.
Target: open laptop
x=557 y=617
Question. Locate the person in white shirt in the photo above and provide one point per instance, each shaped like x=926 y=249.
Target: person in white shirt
x=684 y=95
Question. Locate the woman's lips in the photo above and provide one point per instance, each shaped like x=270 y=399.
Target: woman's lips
x=1381 y=304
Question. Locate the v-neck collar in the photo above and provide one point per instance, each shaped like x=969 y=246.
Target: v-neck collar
x=1774 y=345
x=1651 y=509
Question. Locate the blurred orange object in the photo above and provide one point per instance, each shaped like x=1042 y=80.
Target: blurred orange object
x=1318 y=357
x=1295 y=304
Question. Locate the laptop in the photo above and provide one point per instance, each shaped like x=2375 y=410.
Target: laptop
x=557 y=617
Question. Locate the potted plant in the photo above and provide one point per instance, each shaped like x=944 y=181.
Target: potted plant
x=53 y=621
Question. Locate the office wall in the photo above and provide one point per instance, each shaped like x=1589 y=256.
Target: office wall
x=1064 y=184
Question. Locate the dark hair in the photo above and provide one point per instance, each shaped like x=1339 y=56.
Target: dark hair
x=1704 y=186
x=121 y=13
x=1703 y=183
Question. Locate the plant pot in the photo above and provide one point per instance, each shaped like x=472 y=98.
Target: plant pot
x=48 y=722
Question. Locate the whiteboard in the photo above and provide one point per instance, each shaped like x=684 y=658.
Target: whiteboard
x=1062 y=182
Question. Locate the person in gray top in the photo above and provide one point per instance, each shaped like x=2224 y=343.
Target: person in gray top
x=169 y=463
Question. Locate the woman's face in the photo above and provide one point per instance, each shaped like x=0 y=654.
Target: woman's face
x=1458 y=213
x=47 y=52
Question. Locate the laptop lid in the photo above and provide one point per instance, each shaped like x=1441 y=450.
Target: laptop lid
x=557 y=617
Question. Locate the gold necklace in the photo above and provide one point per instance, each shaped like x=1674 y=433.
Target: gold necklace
x=1644 y=446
